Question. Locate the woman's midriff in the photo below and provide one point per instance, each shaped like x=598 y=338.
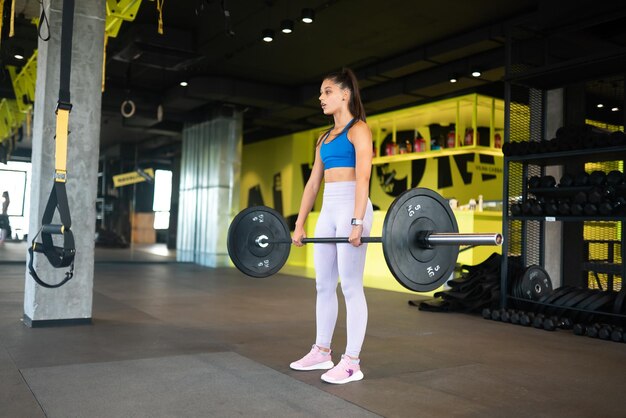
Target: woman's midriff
x=339 y=174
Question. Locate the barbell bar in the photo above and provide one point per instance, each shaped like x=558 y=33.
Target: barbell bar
x=420 y=240
x=429 y=239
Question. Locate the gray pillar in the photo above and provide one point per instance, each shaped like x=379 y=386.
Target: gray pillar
x=72 y=302
x=209 y=188
x=553 y=231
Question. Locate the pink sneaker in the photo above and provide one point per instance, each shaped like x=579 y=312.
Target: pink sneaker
x=315 y=360
x=345 y=371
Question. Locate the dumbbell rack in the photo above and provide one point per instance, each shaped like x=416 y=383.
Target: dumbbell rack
x=525 y=234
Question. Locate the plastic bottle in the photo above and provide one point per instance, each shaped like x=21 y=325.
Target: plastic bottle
x=451 y=139
x=497 y=140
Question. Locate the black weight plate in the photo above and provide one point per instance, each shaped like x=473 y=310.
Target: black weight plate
x=535 y=283
x=551 y=299
x=604 y=298
x=565 y=299
x=618 y=306
x=573 y=301
x=246 y=255
x=592 y=295
x=416 y=268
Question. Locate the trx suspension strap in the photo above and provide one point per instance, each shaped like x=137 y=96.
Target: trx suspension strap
x=59 y=256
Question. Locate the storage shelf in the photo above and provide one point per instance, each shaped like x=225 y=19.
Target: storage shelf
x=568 y=218
x=530 y=303
x=603 y=267
x=496 y=152
x=583 y=155
x=620 y=190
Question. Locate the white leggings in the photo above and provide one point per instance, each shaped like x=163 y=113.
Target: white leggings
x=340 y=260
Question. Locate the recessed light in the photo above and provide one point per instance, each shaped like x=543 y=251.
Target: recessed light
x=308 y=15
x=184 y=83
x=286 y=26
x=614 y=109
x=268 y=35
x=476 y=73
x=18 y=56
x=599 y=105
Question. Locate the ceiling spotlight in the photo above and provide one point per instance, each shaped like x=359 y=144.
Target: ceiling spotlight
x=454 y=78
x=286 y=26
x=476 y=73
x=308 y=15
x=184 y=83
x=18 y=56
x=268 y=35
x=599 y=105
x=614 y=109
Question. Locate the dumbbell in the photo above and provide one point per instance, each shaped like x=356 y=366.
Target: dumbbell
x=619 y=206
x=533 y=182
x=538 y=321
x=526 y=319
x=496 y=315
x=617 y=335
x=515 y=317
x=566 y=181
x=527 y=206
x=547 y=182
x=614 y=178
x=551 y=207
x=564 y=323
x=590 y=209
x=565 y=207
x=604 y=333
x=516 y=209
x=581 y=179
x=606 y=208
x=577 y=209
x=595 y=195
x=486 y=313
x=533 y=147
x=597 y=178
x=592 y=330
x=579 y=329
x=554 y=322
x=617 y=138
x=505 y=315
x=536 y=207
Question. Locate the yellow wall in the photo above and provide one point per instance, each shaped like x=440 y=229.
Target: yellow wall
x=286 y=154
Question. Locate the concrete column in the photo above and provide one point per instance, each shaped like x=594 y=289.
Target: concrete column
x=209 y=187
x=71 y=303
x=553 y=232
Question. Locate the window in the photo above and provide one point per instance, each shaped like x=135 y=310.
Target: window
x=162 y=198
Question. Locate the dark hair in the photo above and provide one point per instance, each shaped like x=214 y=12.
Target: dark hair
x=346 y=79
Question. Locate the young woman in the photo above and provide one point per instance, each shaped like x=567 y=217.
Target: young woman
x=5 y=226
x=343 y=159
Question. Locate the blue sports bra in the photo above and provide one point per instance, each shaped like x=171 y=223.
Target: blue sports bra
x=339 y=152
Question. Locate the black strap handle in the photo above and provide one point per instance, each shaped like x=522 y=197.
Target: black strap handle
x=57 y=201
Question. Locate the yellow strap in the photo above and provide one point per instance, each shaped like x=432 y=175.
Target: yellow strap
x=29 y=122
x=12 y=25
x=159 y=6
x=104 y=60
x=63 y=120
x=1 y=17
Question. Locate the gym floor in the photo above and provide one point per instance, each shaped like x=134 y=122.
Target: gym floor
x=147 y=308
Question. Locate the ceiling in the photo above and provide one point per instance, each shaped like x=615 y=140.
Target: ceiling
x=403 y=52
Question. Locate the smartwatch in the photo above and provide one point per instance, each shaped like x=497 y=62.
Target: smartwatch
x=356 y=221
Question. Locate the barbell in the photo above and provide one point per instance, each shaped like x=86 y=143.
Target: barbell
x=420 y=240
